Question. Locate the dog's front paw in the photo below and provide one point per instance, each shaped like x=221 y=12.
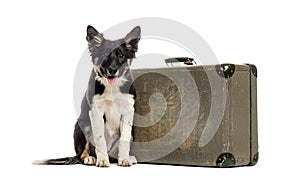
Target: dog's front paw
x=102 y=160
x=102 y=163
x=125 y=162
x=133 y=159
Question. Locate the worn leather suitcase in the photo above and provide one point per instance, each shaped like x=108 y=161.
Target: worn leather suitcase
x=196 y=115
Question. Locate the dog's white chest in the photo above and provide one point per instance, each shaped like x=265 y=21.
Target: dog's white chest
x=114 y=105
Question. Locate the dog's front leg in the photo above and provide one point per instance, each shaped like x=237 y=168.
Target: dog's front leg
x=98 y=128
x=124 y=146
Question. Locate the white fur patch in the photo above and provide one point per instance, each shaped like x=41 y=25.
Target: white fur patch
x=118 y=109
x=115 y=105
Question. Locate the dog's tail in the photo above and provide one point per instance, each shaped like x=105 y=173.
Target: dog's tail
x=59 y=161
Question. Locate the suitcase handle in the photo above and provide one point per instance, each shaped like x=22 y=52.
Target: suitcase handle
x=185 y=60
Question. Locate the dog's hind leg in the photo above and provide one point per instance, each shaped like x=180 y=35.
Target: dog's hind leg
x=86 y=157
x=82 y=147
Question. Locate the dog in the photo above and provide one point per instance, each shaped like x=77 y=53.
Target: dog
x=102 y=132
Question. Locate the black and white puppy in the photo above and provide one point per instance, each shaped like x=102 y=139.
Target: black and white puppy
x=103 y=130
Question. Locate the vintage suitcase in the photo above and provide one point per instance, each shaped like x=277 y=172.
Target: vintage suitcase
x=196 y=115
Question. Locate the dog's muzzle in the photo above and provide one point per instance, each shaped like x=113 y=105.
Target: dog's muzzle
x=112 y=75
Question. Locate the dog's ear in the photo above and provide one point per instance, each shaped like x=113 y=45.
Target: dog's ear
x=132 y=39
x=91 y=32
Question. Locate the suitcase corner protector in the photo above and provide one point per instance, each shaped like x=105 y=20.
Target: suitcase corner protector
x=225 y=70
x=254 y=159
x=225 y=160
x=253 y=69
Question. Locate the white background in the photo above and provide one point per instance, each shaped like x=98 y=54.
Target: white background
x=41 y=44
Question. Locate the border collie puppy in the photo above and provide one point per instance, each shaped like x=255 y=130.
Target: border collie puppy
x=103 y=130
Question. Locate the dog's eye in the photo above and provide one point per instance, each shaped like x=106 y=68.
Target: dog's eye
x=121 y=55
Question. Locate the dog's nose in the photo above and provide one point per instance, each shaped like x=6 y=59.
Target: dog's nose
x=112 y=71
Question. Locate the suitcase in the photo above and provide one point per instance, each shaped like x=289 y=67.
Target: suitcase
x=196 y=115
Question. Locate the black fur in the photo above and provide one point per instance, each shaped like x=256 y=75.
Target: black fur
x=99 y=88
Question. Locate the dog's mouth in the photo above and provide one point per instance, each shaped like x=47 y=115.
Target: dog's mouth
x=111 y=76
x=111 y=79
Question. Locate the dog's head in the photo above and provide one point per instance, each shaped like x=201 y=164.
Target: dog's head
x=112 y=58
